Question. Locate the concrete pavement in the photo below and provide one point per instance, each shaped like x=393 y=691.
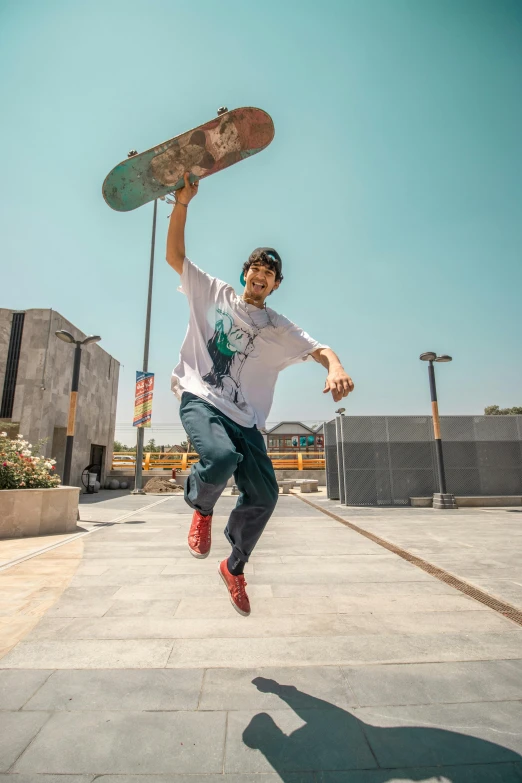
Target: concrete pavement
x=354 y=666
x=481 y=545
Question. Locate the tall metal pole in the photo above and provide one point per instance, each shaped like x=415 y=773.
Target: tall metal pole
x=436 y=429
x=73 y=399
x=138 y=484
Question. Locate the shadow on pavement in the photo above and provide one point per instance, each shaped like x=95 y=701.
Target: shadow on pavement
x=104 y=494
x=337 y=746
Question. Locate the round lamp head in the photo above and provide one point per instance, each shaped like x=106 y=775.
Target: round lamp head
x=94 y=338
x=429 y=356
x=444 y=358
x=65 y=336
x=340 y=410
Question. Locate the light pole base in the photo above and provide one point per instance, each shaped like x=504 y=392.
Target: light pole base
x=138 y=492
x=444 y=501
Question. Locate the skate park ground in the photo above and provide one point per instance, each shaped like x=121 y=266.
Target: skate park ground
x=123 y=661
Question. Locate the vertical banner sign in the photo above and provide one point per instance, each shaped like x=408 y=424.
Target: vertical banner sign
x=143 y=399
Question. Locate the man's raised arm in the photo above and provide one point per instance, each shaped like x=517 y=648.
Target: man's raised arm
x=178 y=218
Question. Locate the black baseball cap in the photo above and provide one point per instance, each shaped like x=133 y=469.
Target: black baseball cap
x=269 y=251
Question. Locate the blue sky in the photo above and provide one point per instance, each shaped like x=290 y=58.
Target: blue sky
x=392 y=190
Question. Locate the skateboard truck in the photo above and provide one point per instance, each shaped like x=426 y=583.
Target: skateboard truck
x=221 y=110
x=132 y=153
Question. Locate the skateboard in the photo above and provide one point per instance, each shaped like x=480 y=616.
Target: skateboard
x=228 y=138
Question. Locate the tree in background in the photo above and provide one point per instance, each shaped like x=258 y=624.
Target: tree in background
x=118 y=446
x=151 y=446
x=494 y=410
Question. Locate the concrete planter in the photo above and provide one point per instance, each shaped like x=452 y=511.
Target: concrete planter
x=38 y=512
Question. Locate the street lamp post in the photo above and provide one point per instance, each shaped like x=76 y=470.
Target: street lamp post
x=441 y=499
x=138 y=476
x=138 y=482
x=73 y=399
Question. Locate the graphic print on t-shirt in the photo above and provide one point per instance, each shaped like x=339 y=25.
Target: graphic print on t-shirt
x=223 y=332
x=229 y=348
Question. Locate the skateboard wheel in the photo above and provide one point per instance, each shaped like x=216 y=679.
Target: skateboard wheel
x=132 y=153
x=221 y=110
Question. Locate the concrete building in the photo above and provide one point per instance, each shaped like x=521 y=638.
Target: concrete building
x=35 y=381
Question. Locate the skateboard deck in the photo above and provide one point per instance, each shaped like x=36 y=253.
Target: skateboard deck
x=228 y=138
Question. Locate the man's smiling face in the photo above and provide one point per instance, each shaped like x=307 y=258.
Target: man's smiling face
x=260 y=282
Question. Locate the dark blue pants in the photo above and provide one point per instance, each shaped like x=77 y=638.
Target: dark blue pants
x=226 y=449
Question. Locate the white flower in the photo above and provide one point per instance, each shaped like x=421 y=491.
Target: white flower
x=3 y=434
x=29 y=445
x=26 y=453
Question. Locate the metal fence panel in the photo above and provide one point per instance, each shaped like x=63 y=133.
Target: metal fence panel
x=409 y=429
x=332 y=465
x=368 y=488
x=497 y=428
x=457 y=428
x=482 y=454
x=500 y=481
x=464 y=481
x=381 y=460
x=459 y=454
x=339 y=442
x=365 y=465
x=412 y=483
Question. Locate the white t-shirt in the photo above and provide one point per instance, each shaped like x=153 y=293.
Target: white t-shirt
x=234 y=351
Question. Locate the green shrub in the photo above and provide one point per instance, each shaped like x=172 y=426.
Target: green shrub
x=22 y=468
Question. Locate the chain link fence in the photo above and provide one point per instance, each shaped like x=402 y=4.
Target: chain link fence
x=385 y=460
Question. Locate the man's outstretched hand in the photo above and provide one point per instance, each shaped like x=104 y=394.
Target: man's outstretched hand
x=339 y=383
x=271 y=686
x=265 y=685
x=188 y=191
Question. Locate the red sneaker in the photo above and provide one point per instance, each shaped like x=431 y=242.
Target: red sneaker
x=236 y=588
x=199 y=536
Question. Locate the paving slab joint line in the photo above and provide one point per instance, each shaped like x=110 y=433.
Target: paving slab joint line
x=506 y=610
x=100 y=526
x=225 y=739
x=15 y=762
x=38 y=689
x=349 y=690
x=200 y=694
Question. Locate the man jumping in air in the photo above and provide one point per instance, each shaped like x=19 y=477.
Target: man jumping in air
x=233 y=352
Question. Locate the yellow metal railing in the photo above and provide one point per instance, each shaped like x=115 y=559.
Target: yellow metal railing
x=153 y=460
x=291 y=460
x=297 y=460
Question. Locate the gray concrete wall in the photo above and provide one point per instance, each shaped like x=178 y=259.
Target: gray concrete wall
x=43 y=387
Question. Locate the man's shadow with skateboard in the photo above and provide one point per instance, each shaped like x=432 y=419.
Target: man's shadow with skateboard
x=334 y=739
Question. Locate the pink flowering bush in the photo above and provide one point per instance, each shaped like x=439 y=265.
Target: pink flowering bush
x=22 y=468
